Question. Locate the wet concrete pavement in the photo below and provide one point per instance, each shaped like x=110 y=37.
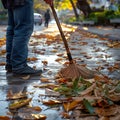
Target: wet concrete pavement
x=104 y=31
x=50 y=54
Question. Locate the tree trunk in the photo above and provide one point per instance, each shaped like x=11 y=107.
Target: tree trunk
x=84 y=6
x=75 y=11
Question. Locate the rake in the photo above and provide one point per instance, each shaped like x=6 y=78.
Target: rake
x=73 y=70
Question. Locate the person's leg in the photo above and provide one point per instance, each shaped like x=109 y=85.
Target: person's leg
x=46 y=23
x=9 y=40
x=23 y=20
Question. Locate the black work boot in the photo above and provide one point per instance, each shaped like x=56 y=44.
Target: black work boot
x=27 y=70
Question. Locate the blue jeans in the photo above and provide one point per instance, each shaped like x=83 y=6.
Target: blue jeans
x=20 y=28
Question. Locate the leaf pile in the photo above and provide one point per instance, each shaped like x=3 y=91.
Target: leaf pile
x=91 y=97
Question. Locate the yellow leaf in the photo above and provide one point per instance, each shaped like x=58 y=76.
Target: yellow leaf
x=19 y=103
x=39 y=117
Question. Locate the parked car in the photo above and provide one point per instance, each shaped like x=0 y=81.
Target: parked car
x=37 y=18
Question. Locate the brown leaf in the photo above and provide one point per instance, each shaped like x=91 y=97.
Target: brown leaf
x=87 y=97
x=50 y=85
x=104 y=118
x=114 y=97
x=88 y=90
x=71 y=105
x=54 y=51
x=114 y=44
x=109 y=111
x=50 y=92
x=2 y=63
x=59 y=59
x=83 y=43
x=65 y=115
x=45 y=62
x=11 y=96
x=2 y=52
x=36 y=108
x=51 y=102
x=44 y=80
x=32 y=59
x=116 y=117
x=101 y=78
x=83 y=53
x=4 y=118
x=60 y=54
x=62 y=80
x=88 y=57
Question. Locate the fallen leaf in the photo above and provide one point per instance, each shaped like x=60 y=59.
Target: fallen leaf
x=109 y=111
x=50 y=85
x=116 y=117
x=114 y=97
x=32 y=59
x=45 y=62
x=87 y=97
x=2 y=63
x=50 y=92
x=36 y=108
x=19 y=103
x=71 y=105
x=2 y=52
x=88 y=90
x=51 y=102
x=44 y=80
x=60 y=54
x=4 y=118
x=19 y=95
x=62 y=80
x=2 y=41
x=59 y=59
x=54 y=51
x=65 y=115
x=101 y=78
x=104 y=118
x=39 y=116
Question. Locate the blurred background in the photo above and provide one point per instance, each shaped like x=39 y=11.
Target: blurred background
x=73 y=11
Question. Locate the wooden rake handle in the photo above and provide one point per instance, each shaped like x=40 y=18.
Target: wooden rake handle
x=62 y=34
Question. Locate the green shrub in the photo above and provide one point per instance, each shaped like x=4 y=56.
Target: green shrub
x=103 y=17
x=97 y=17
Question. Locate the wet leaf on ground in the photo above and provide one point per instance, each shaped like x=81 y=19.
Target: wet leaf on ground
x=19 y=103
